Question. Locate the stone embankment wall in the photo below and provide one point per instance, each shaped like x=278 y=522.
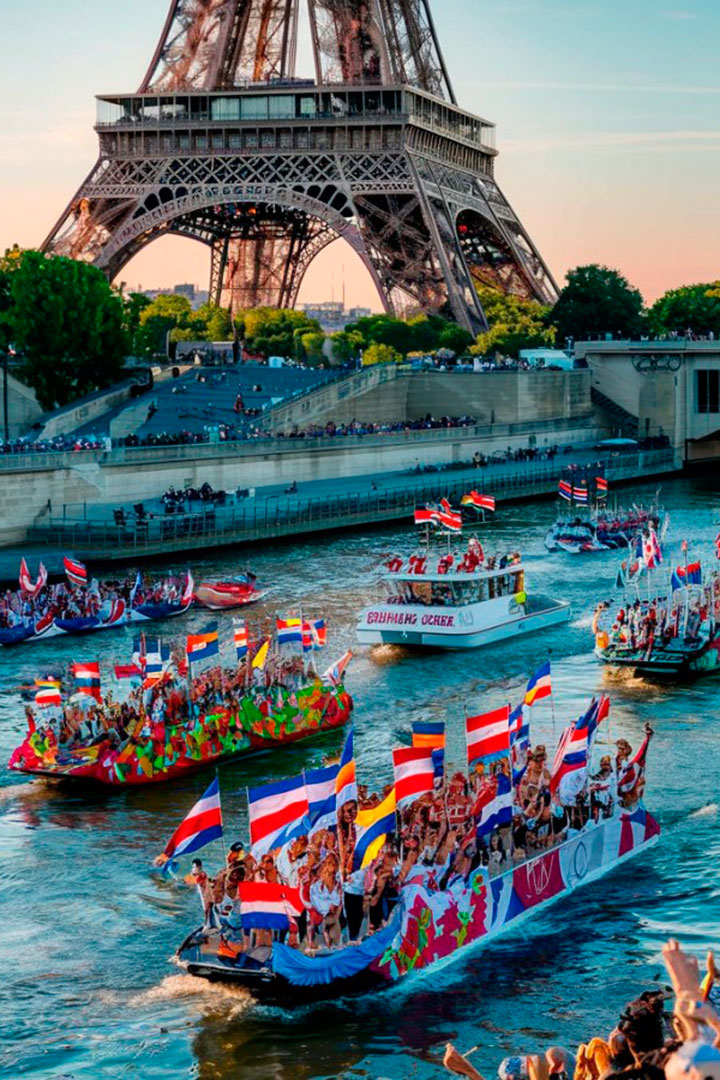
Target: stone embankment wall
x=386 y=395
x=125 y=476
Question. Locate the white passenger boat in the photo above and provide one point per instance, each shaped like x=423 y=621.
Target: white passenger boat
x=456 y=604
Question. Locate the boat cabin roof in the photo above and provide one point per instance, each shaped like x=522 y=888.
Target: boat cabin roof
x=464 y=575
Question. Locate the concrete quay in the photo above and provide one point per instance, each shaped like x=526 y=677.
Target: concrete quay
x=35 y=487
x=361 y=500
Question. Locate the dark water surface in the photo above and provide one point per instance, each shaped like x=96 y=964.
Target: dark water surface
x=87 y=987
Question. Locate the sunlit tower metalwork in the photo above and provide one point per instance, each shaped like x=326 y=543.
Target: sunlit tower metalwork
x=224 y=143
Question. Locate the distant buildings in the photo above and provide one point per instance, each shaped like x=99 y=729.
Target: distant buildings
x=332 y=314
x=195 y=296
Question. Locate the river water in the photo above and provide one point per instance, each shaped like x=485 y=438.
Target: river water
x=88 y=988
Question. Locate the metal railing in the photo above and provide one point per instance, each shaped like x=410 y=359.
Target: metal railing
x=274 y=517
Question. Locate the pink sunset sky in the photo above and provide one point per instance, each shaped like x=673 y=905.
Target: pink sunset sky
x=608 y=119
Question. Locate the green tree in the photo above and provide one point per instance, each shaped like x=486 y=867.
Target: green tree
x=345 y=345
x=455 y=338
x=134 y=304
x=692 y=307
x=272 y=331
x=377 y=353
x=66 y=322
x=384 y=330
x=165 y=314
x=515 y=324
x=597 y=301
x=216 y=321
x=313 y=344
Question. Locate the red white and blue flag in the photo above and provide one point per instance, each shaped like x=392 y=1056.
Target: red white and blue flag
x=75 y=570
x=202 y=825
x=345 y=781
x=87 y=678
x=278 y=814
x=425 y=515
x=565 y=490
x=414 y=774
x=573 y=751
x=321 y=795
x=498 y=810
x=519 y=742
x=188 y=590
x=157 y=662
x=686 y=575
x=601 y=487
x=267 y=905
x=580 y=494
x=539 y=685
x=240 y=637
x=634 y=771
x=447 y=517
x=335 y=672
x=488 y=735
x=314 y=634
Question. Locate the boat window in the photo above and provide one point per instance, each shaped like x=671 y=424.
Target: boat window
x=421 y=592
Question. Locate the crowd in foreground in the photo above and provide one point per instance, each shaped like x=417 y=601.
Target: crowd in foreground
x=647 y=1042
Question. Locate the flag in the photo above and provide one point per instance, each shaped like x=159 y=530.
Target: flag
x=634 y=770
x=498 y=811
x=47 y=693
x=76 y=571
x=157 y=662
x=240 y=637
x=574 y=747
x=87 y=678
x=565 y=490
x=335 y=672
x=482 y=502
x=371 y=829
x=127 y=671
x=425 y=516
x=519 y=731
x=202 y=825
x=686 y=575
x=261 y=655
x=319 y=632
x=345 y=782
x=717 y=546
x=137 y=585
x=539 y=685
x=203 y=646
x=32 y=588
x=601 y=487
x=648 y=549
x=188 y=590
x=449 y=519
x=580 y=494
x=488 y=736
x=289 y=631
x=320 y=789
x=414 y=774
x=428 y=733
x=278 y=813
x=267 y=905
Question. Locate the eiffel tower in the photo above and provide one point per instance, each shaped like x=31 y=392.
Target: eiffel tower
x=224 y=143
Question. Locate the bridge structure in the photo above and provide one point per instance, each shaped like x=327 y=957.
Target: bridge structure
x=223 y=142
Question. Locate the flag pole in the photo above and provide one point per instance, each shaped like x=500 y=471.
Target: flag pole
x=552 y=701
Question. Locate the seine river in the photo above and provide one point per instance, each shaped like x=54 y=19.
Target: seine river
x=87 y=985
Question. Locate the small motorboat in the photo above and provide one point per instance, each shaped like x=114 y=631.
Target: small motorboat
x=222 y=593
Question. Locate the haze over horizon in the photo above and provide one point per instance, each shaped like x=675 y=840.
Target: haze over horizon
x=607 y=114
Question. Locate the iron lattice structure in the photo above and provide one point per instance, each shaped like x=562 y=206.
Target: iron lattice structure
x=224 y=144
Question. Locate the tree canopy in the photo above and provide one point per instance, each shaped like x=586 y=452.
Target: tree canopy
x=66 y=322
x=422 y=333
x=514 y=323
x=597 y=301
x=377 y=353
x=275 y=331
x=692 y=307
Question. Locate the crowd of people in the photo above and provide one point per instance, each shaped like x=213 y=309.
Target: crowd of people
x=66 y=601
x=57 y=444
x=437 y=840
x=641 y=626
x=648 y=1042
x=200 y=718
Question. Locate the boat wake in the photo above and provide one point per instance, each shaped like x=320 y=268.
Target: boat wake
x=211 y=997
x=706 y=811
